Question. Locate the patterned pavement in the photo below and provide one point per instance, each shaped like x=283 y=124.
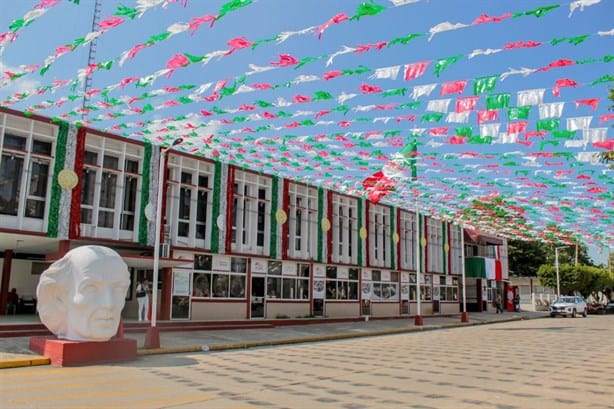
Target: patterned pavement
x=543 y=363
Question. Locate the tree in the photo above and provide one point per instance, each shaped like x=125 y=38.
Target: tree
x=525 y=257
x=576 y=279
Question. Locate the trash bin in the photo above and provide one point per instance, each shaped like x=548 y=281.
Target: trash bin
x=517 y=303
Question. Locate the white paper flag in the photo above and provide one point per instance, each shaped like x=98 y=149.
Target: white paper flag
x=583 y=122
x=551 y=110
x=530 y=97
x=386 y=73
x=423 y=90
x=438 y=105
x=459 y=118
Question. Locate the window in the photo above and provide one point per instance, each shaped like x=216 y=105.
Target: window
x=425 y=288
x=302 y=221
x=251 y=205
x=448 y=287
x=379 y=235
x=344 y=225
x=435 y=245
x=219 y=284
x=407 y=235
x=341 y=283
x=12 y=181
x=110 y=184
x=190 y=206
x=456 y=260
x=130 y=192
x=385 y=285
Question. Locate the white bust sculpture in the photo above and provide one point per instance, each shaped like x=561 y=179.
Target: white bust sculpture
x=81 y=295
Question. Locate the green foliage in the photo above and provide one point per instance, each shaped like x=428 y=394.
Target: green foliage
x=581 y=278
x=525 y=257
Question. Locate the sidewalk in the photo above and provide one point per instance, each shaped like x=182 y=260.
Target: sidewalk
x=15 y=352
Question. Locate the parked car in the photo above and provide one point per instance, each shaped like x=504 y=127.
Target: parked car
x=569 y=306
x=596 y=308
x=609 y=309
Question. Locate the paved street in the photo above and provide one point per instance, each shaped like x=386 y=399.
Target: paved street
x=504 y=365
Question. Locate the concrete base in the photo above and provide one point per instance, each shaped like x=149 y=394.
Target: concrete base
x=152 y=338
x=464 y=317
x=62 y=352
x=419 y=320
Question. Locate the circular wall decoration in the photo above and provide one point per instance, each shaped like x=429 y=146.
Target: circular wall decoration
x=363 y=233
x=395 y=237
x=325 y=224
x=221 y=222
x=446 y=247
x=68 y=179
x=423 y=242
x=281 y=216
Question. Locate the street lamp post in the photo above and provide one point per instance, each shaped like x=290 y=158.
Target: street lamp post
x=556 y=264
x=152 y=338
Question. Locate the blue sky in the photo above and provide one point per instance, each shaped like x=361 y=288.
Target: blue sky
x=267 y=19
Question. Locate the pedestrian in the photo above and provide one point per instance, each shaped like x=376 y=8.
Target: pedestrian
x=498 y=302
x=142 y=296
x=12 y=301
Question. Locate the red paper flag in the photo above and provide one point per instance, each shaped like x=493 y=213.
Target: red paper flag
x=415 y=70
x=453 y=87
x=466 y=104
x=592 y=102
x=565 y=82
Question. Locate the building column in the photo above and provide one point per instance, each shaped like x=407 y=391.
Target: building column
x=166 y=295
x=6 y=278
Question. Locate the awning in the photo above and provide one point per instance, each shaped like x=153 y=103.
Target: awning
x=479 y=237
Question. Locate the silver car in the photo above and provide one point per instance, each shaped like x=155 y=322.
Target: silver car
x=569 y=306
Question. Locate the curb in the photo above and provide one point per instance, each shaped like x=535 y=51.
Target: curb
x=24 y=362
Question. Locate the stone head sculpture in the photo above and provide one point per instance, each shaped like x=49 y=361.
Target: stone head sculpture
x=81 y=295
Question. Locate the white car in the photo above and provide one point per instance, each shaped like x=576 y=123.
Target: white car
x=569 y=306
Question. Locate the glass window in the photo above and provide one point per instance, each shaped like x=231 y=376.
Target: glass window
x=219 y=284
x=385 y=285
x=344 y=224
x=341 y=283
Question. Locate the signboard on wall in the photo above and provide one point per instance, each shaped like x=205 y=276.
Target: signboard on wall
x=181 y=282
x=221 y=263
x=319 y=270
x=319 y=287
x=259 y=265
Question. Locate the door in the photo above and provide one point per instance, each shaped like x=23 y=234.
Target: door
x=181 y=302
x=257 y=298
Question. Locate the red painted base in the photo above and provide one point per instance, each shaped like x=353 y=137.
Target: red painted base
x=464 y=317
x=63 y=352
x=419 y=320
x=152 y=338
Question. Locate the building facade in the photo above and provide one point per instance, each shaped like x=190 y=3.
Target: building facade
x=235 y=244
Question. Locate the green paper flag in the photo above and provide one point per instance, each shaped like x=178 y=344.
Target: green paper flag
x=548 y=124
x=497 y=101
x=444 y=63
x=126 y=11
x=367 y=9
x=484 y=84
x=518 y=113
x=232 y=6
x=605 y=78
x=432 y=117
x=541 y=11
x=404 y=40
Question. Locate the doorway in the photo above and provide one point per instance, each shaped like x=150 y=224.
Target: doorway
x=257 y=298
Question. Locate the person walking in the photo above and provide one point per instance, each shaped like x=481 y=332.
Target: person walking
x=142 y=296
x=499 y=307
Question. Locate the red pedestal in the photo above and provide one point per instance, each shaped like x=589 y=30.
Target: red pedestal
x=152 y=338
x=464 y=317
x=419 y=320
x=63 y=352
